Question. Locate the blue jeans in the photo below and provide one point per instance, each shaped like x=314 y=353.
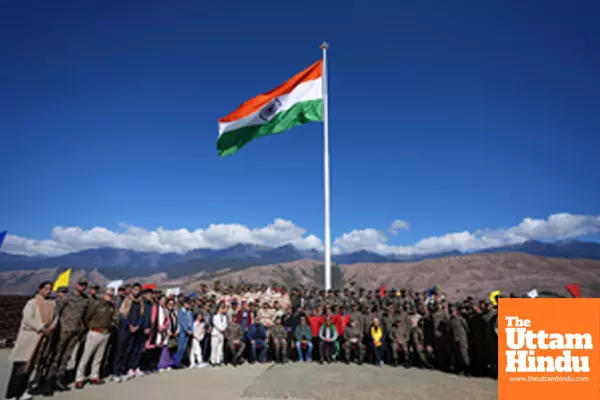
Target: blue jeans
x=309 y=348
x=263 y=351
x=182 y=342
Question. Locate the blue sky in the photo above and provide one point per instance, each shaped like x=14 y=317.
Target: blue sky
x=453 y=116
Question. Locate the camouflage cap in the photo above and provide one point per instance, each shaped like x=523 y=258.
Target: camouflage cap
x=82 y=281
x=62 y=289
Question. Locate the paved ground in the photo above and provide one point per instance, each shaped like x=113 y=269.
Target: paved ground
x=291 y=381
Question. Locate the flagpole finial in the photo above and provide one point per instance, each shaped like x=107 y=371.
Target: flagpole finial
x=324 y=46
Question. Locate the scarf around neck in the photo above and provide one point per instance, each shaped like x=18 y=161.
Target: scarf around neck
x=126 y=305
x=45 y=308
x=376 y=333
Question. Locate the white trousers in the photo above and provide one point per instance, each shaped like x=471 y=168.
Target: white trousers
x=216 y=349
x=93 y=350
x=195 y=353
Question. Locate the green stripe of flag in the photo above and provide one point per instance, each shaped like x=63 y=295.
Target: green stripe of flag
x=301 y=113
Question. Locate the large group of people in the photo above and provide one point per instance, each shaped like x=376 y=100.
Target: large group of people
x=86 y=336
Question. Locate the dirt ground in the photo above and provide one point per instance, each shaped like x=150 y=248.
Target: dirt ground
x=290 y=381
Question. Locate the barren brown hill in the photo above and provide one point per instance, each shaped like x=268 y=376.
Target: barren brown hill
x=479 y=274
x=303 y=272
x=26 y=282
x=460 y=276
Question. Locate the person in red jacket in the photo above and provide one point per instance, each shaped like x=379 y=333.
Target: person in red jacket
x=341 y=320
x=315 y=320
x=244 y=317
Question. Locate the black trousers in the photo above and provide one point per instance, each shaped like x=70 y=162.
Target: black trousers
x=378 y=352
x=110 y=354
x=327 y=350
x=17 y=384
x=206 y=347
x=316 y=341
x=149 y=359
x=127 y=350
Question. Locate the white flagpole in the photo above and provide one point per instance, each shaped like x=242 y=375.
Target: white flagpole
x=324 y=46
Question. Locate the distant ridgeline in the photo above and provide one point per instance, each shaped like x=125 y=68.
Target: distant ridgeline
x=120 y=263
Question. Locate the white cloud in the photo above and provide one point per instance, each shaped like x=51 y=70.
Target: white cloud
x=361 y=239
x=557 y=226
x=398 y=225
x=217 y=236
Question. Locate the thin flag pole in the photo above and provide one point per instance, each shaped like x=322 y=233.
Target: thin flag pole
x=324 y=46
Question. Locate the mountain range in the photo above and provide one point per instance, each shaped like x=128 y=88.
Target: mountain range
x=458 y=276
x=121 y=263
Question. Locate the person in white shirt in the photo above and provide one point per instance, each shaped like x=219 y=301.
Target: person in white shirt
x=199 y=332
x=219 y=323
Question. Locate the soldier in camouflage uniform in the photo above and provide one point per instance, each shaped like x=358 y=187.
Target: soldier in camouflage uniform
x=490 y=340
x=320 y=299
x=356 y=316
x=399 y=335
x=346 y=299
x=477 y=331
x=70 y=311
x=386 y=319
x=279 y=336
x=267 y=315
x=312 y=301
x=388 y=300
x=459 y=330
x=235 y=339
x=441 y=342
x=405 y=316
x=371 y=302
x=366 y=320
x=353 y=335
x=362 y=299
x=417 y=338
x=61 y=292
x=337 y=300
x=396 y=299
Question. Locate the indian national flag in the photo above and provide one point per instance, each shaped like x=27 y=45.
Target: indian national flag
x=297 y=101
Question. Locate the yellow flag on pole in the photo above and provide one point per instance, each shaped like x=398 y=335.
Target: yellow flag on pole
x=62 y=280
x=494 y=297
